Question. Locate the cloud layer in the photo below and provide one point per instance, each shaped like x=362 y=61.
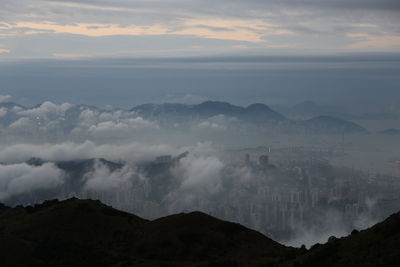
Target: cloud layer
x=248 y=25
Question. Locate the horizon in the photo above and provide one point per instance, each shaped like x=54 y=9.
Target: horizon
x=320 y=159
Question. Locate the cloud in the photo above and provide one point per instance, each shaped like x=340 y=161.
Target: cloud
x=92 y=30
x=22 y=178
x=4 y=98
x=314 y=23
x=247 y=30
x=199 y=175
x=103 y=179
x=3 y=112
x=131 y=151
x=121 y=129
x=66 y=55
x=364 y=40
x=219 y=122
x=47 y=109
x=22 y=124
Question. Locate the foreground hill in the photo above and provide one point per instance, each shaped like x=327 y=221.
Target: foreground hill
x=378 y=246
x=87 y=233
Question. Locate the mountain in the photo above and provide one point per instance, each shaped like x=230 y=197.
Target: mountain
x=87 y=233
x=256 y=114
x=391 y=131
x=258 y=111
x=328 y=124
x=207 y=109
x=10 y=105
x=154 y=110
x=308 y=108
x=214 y=108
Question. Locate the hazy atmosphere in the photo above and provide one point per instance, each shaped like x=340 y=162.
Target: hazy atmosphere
x=283 y=116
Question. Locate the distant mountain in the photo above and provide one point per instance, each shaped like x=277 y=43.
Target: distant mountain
x=328 y=124
x=255 y=113
x=309 y=108
x=70 y=117
x=10 y=105
x=391 y=131
x=87 y=233
x=213 y=108
x=258 y=112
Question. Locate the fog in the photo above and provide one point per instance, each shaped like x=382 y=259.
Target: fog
x=365 y=81
x=298 y=180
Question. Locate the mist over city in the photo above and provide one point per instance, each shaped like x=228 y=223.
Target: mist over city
x=281 y=117
x=299 y=180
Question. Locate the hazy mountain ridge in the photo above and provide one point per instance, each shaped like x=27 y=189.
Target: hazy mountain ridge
x=391 y=131
x=308 y=109
x=87 y=233
x=84 y=122
x=254 y=113
x=209 y=109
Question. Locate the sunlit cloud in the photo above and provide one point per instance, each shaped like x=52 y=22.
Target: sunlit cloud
x=131 y=27
x=93 y=30
x=63 y=55
x=364 y=40
x=223 y=29
x=282 y=45
x=231 y=29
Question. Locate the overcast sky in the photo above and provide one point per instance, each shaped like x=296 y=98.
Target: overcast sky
x=114 y=28
x=128 y=52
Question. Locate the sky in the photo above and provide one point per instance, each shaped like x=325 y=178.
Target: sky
x=123 y=53
x=117 y=28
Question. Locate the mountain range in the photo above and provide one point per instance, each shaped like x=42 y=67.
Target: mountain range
x=77 y=232
x=254 y=113
x=307 y=109
x=169 y=114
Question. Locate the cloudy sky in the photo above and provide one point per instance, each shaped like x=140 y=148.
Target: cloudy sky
x=128 y=52
x=114 y=28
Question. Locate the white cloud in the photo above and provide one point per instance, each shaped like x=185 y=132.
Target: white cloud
x=22 y=123
x=132 y=151
x=103 y=179
x=22 y=178
x=3 y=112
x=4 y=98
x=47 y=109
x=201 y=173
x=219 y=122
x=120 y=128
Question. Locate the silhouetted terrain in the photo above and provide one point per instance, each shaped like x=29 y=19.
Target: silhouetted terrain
x=374 y=247
x=87 y=233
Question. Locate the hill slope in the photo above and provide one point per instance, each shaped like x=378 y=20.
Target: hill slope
x=87 y=233
x=378 y=246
